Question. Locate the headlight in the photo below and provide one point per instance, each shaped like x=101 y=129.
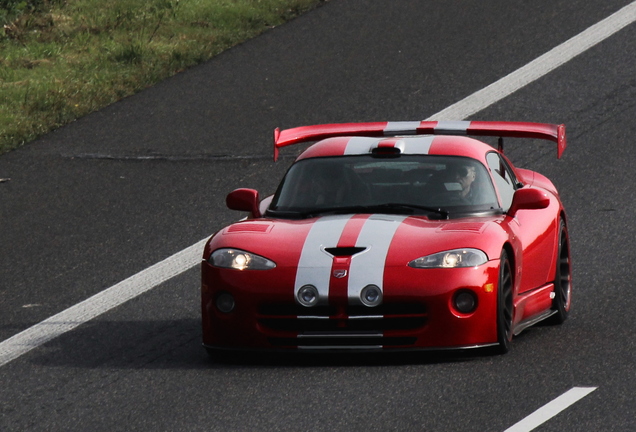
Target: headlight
x=451 y=259
x=240 y=260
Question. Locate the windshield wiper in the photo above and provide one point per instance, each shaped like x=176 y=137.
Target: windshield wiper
x=398 y=208
x=438 y=210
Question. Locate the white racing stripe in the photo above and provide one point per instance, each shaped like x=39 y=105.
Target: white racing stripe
x=39 y=334
x=360 y=145
x=314 y=266
x=368 y=267
x=418 y=145
x=551 y=409
x=452 y=127
x=401 y=127
x=414 y=145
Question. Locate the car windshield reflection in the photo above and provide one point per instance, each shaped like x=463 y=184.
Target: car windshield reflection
x=410 y=184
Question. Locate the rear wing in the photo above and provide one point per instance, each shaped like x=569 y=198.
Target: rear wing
x=302 y=134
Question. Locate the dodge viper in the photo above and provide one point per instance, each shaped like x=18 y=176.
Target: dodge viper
x=391 y=236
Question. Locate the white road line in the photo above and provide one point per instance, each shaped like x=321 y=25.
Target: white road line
x=178 y=263
x=551 y=409
x=100 y=303
x=540 y=66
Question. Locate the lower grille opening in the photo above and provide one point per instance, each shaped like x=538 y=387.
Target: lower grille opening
x=308 y=324
x=346 y=326
x=336 y=342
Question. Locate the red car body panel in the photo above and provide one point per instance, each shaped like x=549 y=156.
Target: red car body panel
x=401 y=284
x=418 y=309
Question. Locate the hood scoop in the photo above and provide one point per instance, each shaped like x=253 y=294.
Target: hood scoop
x=344 y=251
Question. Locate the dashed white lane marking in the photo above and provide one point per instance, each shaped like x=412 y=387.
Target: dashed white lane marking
x=551 y=409
x=100 y=303
x=540 y=66
x=178 y=263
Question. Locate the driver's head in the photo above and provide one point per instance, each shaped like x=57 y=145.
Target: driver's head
x=465 y=176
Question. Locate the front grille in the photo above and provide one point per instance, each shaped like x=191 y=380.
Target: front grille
x=349 y=326
x=330 y=341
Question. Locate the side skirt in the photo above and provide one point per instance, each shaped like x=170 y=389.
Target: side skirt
x=532 y=321
x=533 y=306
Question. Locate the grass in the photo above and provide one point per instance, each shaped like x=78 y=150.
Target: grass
x=62 y=59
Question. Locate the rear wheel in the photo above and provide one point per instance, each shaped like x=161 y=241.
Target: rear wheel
x=504 y=305
x=562 y=278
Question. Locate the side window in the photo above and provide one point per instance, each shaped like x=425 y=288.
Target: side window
x=504 y=180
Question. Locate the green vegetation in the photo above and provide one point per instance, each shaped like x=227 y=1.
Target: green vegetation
x=62 y=59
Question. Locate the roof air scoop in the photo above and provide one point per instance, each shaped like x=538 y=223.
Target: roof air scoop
x=386 y=152
x=391 y=147
x=344 y=251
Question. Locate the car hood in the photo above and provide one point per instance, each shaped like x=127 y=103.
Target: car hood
x=369 y=241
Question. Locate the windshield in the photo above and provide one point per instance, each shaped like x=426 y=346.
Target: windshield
x=409 y=184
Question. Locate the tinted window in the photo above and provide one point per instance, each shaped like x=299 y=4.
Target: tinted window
x=435 y=181
x=504 y=180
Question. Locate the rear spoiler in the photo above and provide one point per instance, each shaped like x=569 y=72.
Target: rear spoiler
x=302 y=134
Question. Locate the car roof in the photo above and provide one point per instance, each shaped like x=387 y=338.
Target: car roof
x=447 y=145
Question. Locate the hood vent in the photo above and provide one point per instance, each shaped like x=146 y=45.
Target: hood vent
x=344 y=251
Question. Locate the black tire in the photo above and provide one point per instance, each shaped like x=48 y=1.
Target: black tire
x=504 y=305
x=562 y=278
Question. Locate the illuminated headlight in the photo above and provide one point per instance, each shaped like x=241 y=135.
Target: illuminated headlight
x=239 y=260
x=451 y=259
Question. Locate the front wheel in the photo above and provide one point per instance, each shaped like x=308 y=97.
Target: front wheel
x=504 y=304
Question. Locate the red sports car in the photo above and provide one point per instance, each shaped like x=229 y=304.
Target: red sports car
x=391 y=236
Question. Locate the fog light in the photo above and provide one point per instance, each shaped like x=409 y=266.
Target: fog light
x=371 y=295
x=225 y=302
x=465 y=301
x=307 y=295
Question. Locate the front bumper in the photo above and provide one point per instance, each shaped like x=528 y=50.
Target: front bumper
x=417 y=312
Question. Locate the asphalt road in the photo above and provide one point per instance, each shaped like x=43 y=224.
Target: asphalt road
x=121 y=189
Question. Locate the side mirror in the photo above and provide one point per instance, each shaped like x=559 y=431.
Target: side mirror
x=528 y=199
x=244 y=200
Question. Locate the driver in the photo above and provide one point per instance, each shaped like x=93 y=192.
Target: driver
x=465 y=176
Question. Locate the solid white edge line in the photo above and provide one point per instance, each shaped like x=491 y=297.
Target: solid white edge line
x=100 y=303
x=539 y=67
x=180 y=262
x=551 y=409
